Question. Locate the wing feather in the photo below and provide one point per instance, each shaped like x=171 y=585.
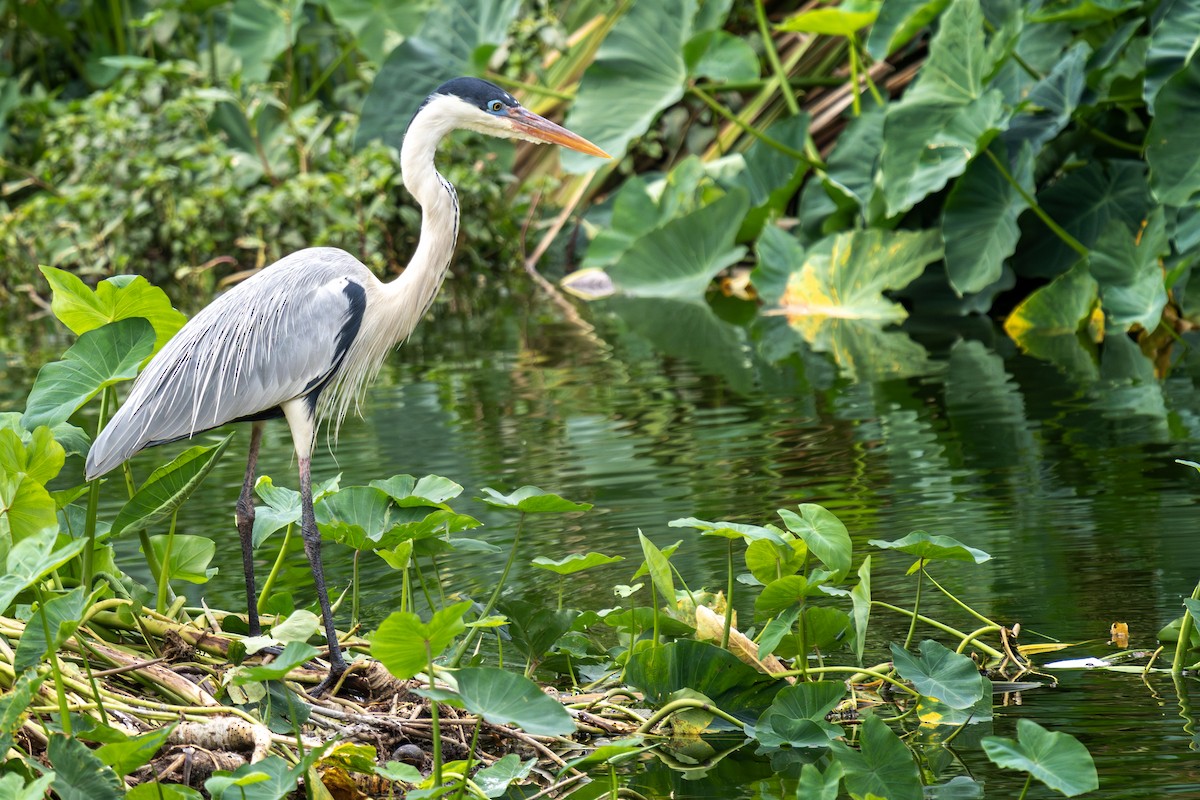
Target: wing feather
x=275 y=337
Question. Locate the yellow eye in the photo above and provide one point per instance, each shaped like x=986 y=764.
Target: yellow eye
x=495 y=106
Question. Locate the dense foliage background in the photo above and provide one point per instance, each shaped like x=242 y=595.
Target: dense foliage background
x=1033 y=161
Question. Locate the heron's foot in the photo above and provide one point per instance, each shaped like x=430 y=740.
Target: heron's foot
x=332 y=683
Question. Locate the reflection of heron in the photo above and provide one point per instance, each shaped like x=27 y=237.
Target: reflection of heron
x=302 y=338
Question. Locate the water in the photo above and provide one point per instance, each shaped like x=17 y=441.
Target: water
x=1063 y=471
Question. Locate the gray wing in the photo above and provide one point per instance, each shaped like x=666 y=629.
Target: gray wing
x=275 y=337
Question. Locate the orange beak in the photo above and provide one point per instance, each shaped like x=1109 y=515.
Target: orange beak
x=544 y=130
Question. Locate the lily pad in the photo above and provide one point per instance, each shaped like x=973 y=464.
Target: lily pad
x=532 y=500
x=949 y=677
x=883 y=767
x=503 y=697
x=1056 y=759
x=933 y=548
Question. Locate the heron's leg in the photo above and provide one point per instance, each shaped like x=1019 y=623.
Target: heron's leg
x=245 y=526
x=312 y=548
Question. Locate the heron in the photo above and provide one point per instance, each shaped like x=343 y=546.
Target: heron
x=304 y=337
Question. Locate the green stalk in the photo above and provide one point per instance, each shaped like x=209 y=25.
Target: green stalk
x=435 y=727
x=855 y=99
x=912 y=626
x=1185 y=636
x=769 y=141
x=728 y=596
x=160 y=602
x=93 y=506
x=491 y=603
x=55 y=669
x=354 y=593
x=562 y=581
x=781 y=76
x=654 y=614
x=462 y=787
x=276 y=568
x=1025 y=788
x=1067 y=239
x=855 y=44
x=961 y=604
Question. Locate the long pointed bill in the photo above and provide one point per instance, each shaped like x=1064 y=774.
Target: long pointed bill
x=543 y=130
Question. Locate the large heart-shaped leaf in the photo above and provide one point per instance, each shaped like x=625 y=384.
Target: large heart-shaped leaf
x=979 y=220
x=884 y=767
x=639 y=70
x=1174 y=138
x=1060 y=307
x=939 y=673
x=379 y=25
x=933 y=548
x=101 y=358
x=455 y=39
x=825 y=535
x=1058 y=760
x=532 y=500
x=1129 y=273
x=796 y=716
x=576 y=562
x=79 y=774
x=1173 y=43
x=946 y=117
x=898 y=21
x=117 y=298
x=168 y=487
x=403 y=643
x=260 y=30
x=502 y=697
x=31 y=559
x=60 y=617
x=185 y=557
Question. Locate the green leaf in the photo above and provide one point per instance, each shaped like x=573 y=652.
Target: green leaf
x=933 y=548
x=941 y=674
x=1173 y=42
x=168 y=488
x=82 y=310
x=784 y=593
x=899 y=21
x=768 y=170
x=734 y=687
x=402 y=640
x=680 y=259
x=1046 y=109
x=40 y=459
x=638 y=72
x=272 y=778
x=946 y=117
x=189 y=557
x=883 y=767
x=153 y=790
x=768 y=561
x=134 y=753
x=407 y=492
x=576 y=562
x=534 y=627
x=1129 y=274
x=660 y=570
x=14 y=706
x=720 y=56
x=825 y=535
x=61 y=616
x=493 y=781
x=13 y=787
x=293 y=656
x=79 y=774
x=796 y=717
x=729 y=530
x=73 y=440
x=1056 y=759
x=503 y=697
x=1173 y=137
x=844 y=276
x=357 y=516
x=451 y=42
x=31 y=559
x=532 y=500
x=979 y=219
x=26 y=508
x=379 y=25
x=1063 y=306
x=1085 y=202
x=817 y=785
x=829 y=21
x=259 y=32
x=860 y=596
x=100 y=358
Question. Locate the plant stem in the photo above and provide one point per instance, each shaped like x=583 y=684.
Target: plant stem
x=1069 y=240
x=354 y=594
x=771 y=142
x=1185 y=636
x=912 y=626
x=683 y=704
x=1025 y=788
x=93 y=506
x=55 y=669
x=160 y=602
x=435 y=727
x=781 y=76
x=491 y=603
x=728 y=596
x=877 y=675
x=855 y=99
x=276 y=568
x=961 y=604
x=933 y=623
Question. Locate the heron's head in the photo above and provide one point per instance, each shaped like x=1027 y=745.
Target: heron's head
x=477 y=105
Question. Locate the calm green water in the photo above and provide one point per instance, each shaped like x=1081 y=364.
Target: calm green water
x=1063 y=471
